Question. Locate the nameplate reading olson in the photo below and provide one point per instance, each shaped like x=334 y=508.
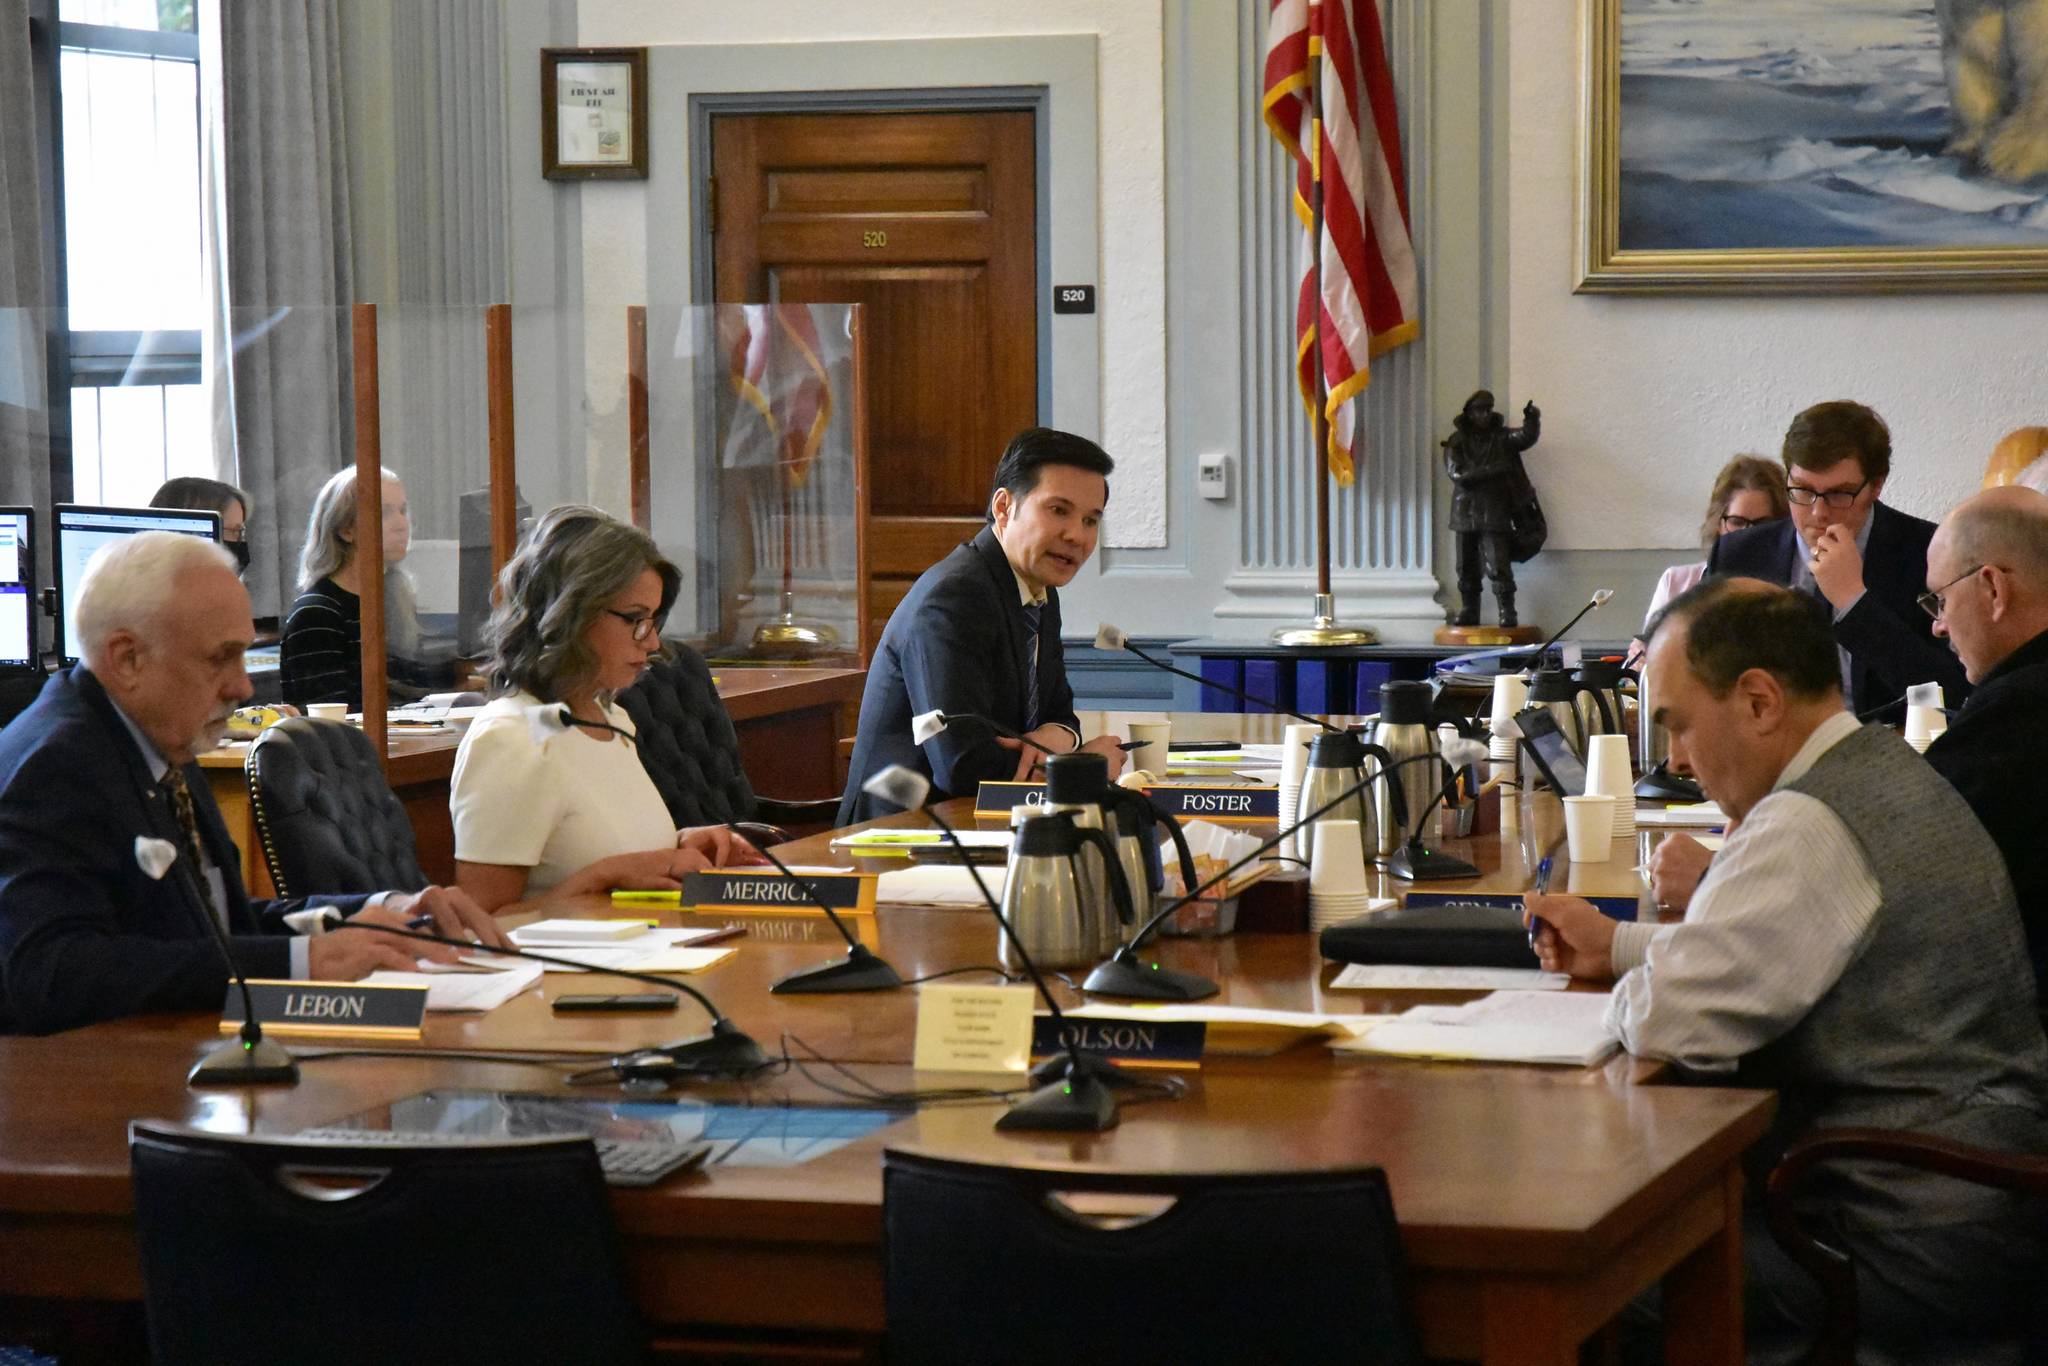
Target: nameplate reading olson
x=748 y=890
x=317 y=1008
x=1135 y=1043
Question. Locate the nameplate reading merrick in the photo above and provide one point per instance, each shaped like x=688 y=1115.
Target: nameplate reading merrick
x=996 y=799
x=326 y=1008
x=1223 y=804
x=770 y=893
x=1135 y=1043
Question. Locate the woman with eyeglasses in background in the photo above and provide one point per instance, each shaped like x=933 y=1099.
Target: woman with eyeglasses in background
x=549 y=797
x=1749 y=490
x=191 y=493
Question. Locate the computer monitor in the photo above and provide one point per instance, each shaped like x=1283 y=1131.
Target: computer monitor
x=81 y=530
x=18 y=592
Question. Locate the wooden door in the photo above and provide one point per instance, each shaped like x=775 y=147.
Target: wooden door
x=930 y=220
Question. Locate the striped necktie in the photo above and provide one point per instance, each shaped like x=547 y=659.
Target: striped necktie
x=1033 y=615
x=189 y=845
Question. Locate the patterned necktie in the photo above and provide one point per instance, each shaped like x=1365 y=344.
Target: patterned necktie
x=1032 y=616
x=188 y=836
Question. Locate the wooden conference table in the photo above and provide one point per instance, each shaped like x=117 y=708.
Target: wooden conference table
x=1533 y=1202
x=788 y=722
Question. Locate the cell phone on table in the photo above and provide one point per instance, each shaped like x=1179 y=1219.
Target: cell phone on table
x=644 y=1000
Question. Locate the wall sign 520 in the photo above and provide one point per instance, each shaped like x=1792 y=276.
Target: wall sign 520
x=874 y=237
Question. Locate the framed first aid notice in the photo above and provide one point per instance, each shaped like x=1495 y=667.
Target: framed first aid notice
x=593 y=113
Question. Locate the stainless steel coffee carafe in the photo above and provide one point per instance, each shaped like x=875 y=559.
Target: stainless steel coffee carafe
x=1558 y=693
x=1599 y=705
x=1403 y=732
x=1337 y=762
x=1077 y=784
x=1049 y=897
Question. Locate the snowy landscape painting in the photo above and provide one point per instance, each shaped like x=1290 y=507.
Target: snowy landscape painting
x=1768 y=130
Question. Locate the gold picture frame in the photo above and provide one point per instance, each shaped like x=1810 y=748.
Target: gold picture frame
x=593 y=113
x=1609 y=264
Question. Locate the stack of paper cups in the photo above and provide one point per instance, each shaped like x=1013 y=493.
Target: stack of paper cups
x=1608 y=775
x=1336 y=875
x=1923 y=725
x=1293 y=763
x=1510 y=695
x=1589 y=829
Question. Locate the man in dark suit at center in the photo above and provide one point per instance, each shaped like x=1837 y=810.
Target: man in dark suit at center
x=1866 y=562
x=979 y=633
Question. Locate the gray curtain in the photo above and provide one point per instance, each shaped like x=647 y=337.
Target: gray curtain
x=24 y=373
x=284 y=187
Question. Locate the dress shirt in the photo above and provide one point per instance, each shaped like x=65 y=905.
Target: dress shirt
x=1802 y=579
x=1779 y=915
x=216 y=888
x=1028 y=599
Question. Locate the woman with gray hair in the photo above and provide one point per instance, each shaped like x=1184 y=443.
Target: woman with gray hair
x=549 y=796
x=321 y=654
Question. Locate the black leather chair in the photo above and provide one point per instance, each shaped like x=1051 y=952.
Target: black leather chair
x=328 y=821
x=690 y=749
x=987 y=1264
x=270 y=1250
x=1832 y=1267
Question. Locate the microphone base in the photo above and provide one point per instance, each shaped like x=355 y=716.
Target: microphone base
x=725 y=1052
x=1055 y=1069
x=234 y=1063
x=1662 y=785
x=1078 y=1102
x=860 y=970
x=1127 y=975
x=1414 y=863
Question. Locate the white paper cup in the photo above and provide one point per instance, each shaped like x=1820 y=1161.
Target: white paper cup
x=1153 y=737
x=327 y=711
x=1923 y=724
x=1294 y=745
x=1589 y=828
x=1607 y=769
x=1336 y=860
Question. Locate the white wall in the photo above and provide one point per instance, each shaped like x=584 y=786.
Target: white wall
x=1644 y=397
x=1131 y=275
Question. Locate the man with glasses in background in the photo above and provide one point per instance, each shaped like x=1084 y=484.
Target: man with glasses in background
x=1864 y=561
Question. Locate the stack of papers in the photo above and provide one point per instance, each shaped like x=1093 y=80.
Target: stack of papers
x=646 y=949
x=454 y=990
x=1238 y=1029
x=1393 y=977
x=1703 y=814
x=895 y=841
x=1564 y=1028
x=941 y=884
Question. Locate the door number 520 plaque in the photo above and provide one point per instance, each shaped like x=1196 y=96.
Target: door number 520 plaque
x=1073 y=298
x=874 y=237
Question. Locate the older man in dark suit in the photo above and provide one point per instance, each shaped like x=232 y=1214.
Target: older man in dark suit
x=112 y=852
x=979 y=633
x=1864 y=561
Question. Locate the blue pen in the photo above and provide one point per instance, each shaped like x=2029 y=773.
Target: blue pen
x=1542 y=888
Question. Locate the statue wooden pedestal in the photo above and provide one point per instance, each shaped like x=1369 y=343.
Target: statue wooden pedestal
x=1482 y=637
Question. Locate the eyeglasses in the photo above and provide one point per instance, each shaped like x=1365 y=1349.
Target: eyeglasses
x=643 y=626
x=1932 y=603
x=1731 y=522
x=1834 y=498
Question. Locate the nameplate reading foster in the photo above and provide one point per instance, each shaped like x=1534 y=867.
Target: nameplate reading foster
x=324 y=1008
x=1222 y=804
x=769 y=892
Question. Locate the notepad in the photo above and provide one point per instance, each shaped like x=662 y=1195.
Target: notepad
x=867 y=840
x=544 y=932
x=1683 y=814
x=1394 y=977
x=463 y=990
x=1559 y=1028
x=940 y=884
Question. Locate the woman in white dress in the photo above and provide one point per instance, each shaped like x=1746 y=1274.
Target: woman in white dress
x=549 y=798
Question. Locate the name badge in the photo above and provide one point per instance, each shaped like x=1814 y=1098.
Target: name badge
x=769 y=892
x=972 y=1029
x=1613 y=907
x=327 y=1008
x=1223 y=805
x=1135 y=1043
x=997 y=799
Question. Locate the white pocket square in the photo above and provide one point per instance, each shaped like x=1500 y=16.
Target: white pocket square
x=155 y=857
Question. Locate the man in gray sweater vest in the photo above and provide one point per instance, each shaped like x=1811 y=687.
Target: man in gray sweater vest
x=1854 y=946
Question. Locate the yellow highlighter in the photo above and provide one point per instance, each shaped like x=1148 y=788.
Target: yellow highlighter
x=647 y=898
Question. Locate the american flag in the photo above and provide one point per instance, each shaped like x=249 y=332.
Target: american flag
x=779 y=371
x=1371 y=302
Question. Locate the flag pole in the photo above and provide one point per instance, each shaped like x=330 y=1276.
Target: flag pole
x=1323 y=629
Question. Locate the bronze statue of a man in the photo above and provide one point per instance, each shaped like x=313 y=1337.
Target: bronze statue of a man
x=1494 y=512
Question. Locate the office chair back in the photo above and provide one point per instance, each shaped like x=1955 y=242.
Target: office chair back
x=986 y=1264
x=266 y=1250
x=328 y=821
x=687 y=743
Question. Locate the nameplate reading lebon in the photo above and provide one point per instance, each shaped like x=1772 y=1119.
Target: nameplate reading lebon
x=997 y=799
x=326 y=1008
x=750 y=889
x=1222 y=804
x=1134 y=1043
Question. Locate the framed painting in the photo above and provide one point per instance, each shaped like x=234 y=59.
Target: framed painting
x=1757 y=146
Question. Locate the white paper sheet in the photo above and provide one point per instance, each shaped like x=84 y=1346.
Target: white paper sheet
x=463 y=990
x=1386 y=977
x=940 y=884
x=1565 y=1028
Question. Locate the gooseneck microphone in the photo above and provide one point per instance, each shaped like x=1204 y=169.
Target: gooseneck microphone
x=1415 y=861
x=1108 y=637
x=725 y=1052
x=925 y=725
x=860 y=970
x=1125 y=974
x=569 y=718
x=1078 y=1098
x=1599 y=599
x=248 y=1059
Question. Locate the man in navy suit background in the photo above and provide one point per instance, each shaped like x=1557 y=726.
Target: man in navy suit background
x=101 y=885
x=979 y=633
x=1865 y=561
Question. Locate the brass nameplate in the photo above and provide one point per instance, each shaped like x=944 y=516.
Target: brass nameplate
x=767 y=892
x=330 y=1008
